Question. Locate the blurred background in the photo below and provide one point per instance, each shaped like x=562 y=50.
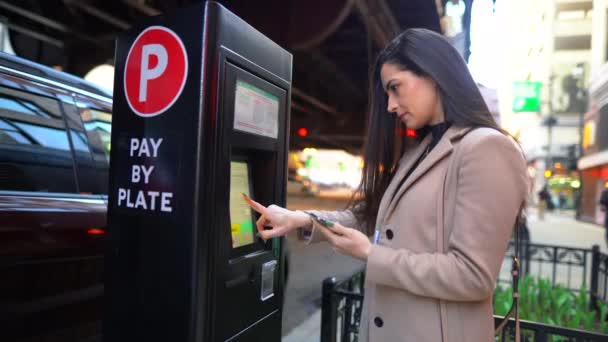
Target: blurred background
x=541 y=66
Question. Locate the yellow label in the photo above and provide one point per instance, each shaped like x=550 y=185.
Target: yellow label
x=236 y=228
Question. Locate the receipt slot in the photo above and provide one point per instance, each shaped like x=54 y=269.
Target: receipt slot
x=201 y=110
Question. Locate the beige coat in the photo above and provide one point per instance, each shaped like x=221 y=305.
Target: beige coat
x=443 y=239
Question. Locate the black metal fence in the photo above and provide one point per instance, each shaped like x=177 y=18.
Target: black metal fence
x=539 y=332
x=599 y=277
x=574 y=268
x=341 y=308
x=342 y=301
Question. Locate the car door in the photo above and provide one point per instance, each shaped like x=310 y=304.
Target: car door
x=51 y=232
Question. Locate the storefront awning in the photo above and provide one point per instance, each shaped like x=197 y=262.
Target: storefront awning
x=593 y=160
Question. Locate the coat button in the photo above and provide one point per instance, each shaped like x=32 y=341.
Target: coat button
x=378 y=322
x=389 y=234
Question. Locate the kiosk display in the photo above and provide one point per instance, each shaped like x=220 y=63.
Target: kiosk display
x=255 y=110
x=241 y=219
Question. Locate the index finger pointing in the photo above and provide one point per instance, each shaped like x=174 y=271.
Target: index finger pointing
x=254 y=205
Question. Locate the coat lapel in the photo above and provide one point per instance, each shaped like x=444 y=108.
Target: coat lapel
x=404 y=165
x=442 y=150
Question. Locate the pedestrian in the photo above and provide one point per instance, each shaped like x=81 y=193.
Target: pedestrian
x=543 y=201
x=440 y=210
x=563 y=200
x=604 y=208
x=550 y=200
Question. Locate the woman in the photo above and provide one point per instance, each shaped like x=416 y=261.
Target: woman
x=441 y=209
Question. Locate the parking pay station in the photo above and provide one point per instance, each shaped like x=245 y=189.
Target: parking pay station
x=201 y=110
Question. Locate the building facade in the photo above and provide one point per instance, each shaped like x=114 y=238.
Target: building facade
x=593 y=164
x=551 y=43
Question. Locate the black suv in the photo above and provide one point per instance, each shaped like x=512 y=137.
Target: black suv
x=54 y=153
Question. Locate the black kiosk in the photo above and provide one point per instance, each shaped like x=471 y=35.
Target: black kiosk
x=201 y=110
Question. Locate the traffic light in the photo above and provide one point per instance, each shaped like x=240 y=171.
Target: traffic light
x=548 y=173
x=302 y=131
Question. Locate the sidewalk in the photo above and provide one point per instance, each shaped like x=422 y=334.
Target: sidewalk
x=308 y=331
x=562 y=229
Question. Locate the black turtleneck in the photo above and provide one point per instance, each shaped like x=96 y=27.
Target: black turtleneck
x=437 y=131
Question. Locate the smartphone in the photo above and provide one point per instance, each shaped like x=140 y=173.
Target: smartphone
x=324 y=223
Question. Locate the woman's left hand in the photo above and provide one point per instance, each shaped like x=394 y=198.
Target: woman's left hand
x=346 y=240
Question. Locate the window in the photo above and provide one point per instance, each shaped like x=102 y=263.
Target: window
x=79 y=141
x=34 y=146
x=9 y=134
x=97 y=121
x=22 y=106
x=100 y=129
x=98 y=124
x=45 y=136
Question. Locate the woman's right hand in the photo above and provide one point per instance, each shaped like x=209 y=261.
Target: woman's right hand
x=280 y=220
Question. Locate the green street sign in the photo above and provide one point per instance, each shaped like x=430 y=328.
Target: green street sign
x=526 y=96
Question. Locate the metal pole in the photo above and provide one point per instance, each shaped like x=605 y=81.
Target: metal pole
x=3 y=32
x=527 y=256
x=595 y=269
x=583 y=108
x=550 y=124
x=467 y=27
x=549 y=141
x=328 y=311
x=579 y=192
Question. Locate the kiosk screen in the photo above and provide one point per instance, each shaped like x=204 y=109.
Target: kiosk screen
x=255 y=110
x=241 y=218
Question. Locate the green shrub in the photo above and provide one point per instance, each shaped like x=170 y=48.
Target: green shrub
x=541 y=302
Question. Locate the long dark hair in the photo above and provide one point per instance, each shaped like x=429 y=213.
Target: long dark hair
x=426 y=54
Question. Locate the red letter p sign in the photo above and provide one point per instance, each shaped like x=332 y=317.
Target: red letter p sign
x=155 y=71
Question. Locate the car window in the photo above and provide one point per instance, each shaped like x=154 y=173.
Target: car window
x=45 y=136
x=9 y=134
x=22 y=106
x=97 y=121
x=79 y=141
x=34 y=145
